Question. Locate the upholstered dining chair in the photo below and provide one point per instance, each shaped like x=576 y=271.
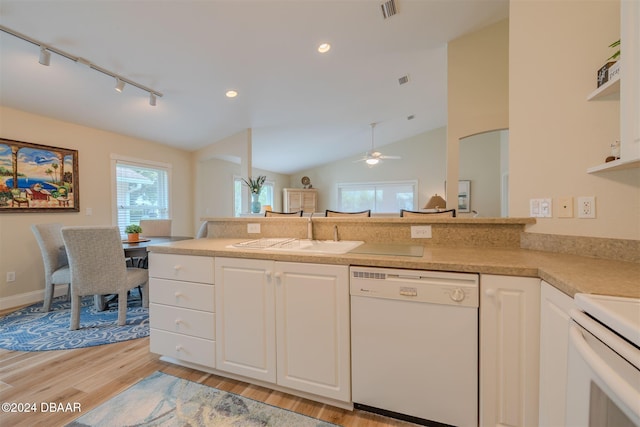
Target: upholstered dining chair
x=329 y=212
x=444 y=213
x=54 y=256
x=155 y=227
x=96 y=261
x=274 y=213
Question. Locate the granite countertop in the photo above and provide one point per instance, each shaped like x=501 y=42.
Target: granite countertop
x=569 y=273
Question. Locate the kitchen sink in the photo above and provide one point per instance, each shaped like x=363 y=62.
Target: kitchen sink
x=300 y=245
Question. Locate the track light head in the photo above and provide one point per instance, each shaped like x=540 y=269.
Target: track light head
x=119 y=85
x=152 y=99
x=45 y=56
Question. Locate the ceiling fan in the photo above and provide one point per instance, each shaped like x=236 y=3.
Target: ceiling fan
x=373 y=157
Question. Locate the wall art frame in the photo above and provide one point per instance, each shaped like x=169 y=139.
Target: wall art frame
x=38 y=178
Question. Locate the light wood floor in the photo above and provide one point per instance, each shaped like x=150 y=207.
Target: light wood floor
x=91 y=376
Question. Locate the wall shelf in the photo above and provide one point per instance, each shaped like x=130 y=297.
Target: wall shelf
x=609 y=90
x=615 y=165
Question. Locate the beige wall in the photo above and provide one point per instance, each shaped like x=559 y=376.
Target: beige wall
x=423 y=159
x=18 y=249
x=556 y=47
x=478 y=90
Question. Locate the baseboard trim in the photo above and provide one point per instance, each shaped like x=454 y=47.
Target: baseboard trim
x=28 y=298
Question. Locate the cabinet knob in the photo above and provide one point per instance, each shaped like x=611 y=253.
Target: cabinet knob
x=278 y=275
x=177 y=267
x=178 y=294
x=490 y=292
x=178 y=321
x=178 y=347
x=268 y=273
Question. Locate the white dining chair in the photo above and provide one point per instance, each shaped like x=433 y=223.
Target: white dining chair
x=97 y=264
x=54 y=257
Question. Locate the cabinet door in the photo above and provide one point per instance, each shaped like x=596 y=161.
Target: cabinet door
x=554 y=342
x=509 y=350
x=245 y=322
x=313 y=333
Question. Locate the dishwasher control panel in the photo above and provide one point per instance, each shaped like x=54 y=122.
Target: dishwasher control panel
x=436 y=287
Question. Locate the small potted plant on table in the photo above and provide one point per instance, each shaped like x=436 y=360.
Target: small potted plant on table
x=133 y=232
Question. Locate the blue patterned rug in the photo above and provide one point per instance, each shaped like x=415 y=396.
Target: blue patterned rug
x=31 y=329
x=167 y=401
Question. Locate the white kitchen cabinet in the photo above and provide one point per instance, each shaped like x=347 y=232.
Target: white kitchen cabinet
x=285 y=323
x=509 y=350
x=554 y=341
x=181 y=308
x=296 y=199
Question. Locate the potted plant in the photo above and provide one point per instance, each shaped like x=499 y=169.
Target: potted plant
x=133 y=232
x=255 y=186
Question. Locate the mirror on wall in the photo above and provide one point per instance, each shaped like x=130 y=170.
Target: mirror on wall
x=484 y=163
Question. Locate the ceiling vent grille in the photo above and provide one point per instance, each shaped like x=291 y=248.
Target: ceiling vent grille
x=388 y=9
x=403 y=80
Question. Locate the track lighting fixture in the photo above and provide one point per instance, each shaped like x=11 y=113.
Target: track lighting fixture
x=45 y=59
x=119 y=84
x=45 y=56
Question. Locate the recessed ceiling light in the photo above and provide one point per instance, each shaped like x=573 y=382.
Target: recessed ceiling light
x=324 y=48
x=231 y=94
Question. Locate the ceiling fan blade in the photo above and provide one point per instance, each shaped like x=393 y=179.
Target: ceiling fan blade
x=390 y=157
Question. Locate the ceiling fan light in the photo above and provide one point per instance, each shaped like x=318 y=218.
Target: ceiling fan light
x=372 y=161
x=324 y=48
x=152 y=99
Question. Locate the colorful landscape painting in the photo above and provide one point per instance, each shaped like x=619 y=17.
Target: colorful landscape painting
x=37 y=178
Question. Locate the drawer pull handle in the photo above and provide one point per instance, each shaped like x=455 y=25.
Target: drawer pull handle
x=178 y=347
x=178 y=321
x=178 y=294
x=177 y=267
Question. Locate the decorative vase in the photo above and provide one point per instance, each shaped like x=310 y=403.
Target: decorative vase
x=255 y=203
x=133 y=237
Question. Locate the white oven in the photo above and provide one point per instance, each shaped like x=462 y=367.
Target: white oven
x=603 y=387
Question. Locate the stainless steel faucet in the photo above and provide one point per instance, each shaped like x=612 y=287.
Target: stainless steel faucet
x=310 y=227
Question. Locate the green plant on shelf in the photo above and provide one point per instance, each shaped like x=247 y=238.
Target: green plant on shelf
x=133 y=229
x=616 y=55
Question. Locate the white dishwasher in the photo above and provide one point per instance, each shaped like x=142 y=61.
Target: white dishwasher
x=414 y=344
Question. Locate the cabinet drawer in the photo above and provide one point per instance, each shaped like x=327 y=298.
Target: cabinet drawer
x=195 y=323
x=195 y=296
x=183 y=347
x=181 y=267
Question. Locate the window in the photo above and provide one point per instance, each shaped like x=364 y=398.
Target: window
x=266 y=195
x=141 y=191
x=380 y=197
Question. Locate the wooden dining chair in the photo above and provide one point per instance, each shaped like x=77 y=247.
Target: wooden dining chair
x=96 y=261
x=274 y=213
x=329 y=212
x=54 y=257
x=445 y=213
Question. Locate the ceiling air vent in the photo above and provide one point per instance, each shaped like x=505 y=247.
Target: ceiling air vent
x=388 y=9
x=403 y=80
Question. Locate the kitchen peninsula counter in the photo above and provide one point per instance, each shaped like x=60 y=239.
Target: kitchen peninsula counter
x=569 y=273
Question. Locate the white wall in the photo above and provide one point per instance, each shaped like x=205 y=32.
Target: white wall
x=18 y=248
x=555 y=49
x=423 y=159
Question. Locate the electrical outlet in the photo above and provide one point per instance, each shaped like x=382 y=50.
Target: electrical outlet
x=565 y=207
x=253 y=228
x=421 y=231
x=11 y=276
x=587 y=207
x=540 y=208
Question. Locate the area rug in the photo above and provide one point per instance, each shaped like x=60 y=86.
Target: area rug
x=167 y=401
x=31 y=329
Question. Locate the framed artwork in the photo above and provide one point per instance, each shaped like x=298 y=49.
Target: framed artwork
x=38 y=178
x=464 y=196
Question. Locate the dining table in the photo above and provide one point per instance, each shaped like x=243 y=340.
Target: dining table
x=138 y=249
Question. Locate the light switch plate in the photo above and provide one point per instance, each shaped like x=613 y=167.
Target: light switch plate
x=540 y=208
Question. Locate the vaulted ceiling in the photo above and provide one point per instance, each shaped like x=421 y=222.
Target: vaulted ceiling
x=304 y=108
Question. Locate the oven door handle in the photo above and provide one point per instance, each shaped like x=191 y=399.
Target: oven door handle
x=607 y=375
